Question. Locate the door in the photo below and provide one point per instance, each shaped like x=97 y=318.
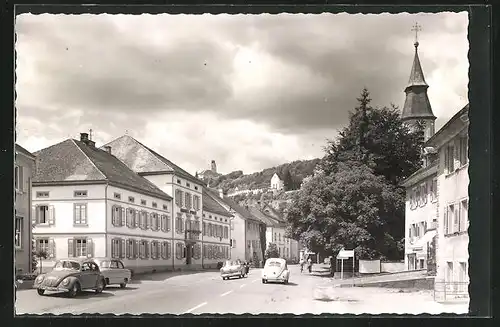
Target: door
x=114 y=272
x=189 y=250
x=88 y=276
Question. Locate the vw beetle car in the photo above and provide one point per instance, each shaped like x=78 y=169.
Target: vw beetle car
x=71 y=276
x=114 y=271
x=232 y=269
x=275 y=270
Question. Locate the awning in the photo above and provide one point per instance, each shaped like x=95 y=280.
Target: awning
x=345 y=254
x=424 y=239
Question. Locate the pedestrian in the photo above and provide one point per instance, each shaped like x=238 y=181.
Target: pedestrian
x=309 y=265
x=301 y=263
x=332 y=269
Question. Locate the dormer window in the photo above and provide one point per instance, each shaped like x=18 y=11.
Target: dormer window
x=143 y=202
x=154 y=204
x=80 y=194
x=131 y=199
x=117 y=196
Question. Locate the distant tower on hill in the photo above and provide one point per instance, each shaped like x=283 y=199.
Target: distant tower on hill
x=214 y=166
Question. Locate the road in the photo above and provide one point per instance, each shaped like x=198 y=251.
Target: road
x=206 y=292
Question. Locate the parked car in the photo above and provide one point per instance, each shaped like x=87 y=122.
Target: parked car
x=275 y=270
x=232 y=269
x=114 y=271
x=71 y=276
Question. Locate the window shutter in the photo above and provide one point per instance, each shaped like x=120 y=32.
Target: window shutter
x=146 y=249
x=129 y=218
x=52 y=248
x=71 y=248
x=90 y=248
x=122 y=221
x=123 y=249
x=137 y=217
x=456 y=223
x=52 y=216
x=446 y=220
x=34 y=215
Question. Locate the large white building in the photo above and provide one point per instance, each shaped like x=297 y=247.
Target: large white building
x=186 y=190
x=277 y=182
x=87 y=203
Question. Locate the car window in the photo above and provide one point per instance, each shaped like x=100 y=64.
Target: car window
x=114 y=264
x=67 y=264
x=120 y=265
x=94 y=267
x=105 y=264
x=86 y=266
x=274 y=264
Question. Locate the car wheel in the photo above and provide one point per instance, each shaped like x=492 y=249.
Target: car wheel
x=106 y=282
x=100 y=286
x=74 y=290
x=124 y=284
x=263 y=281
x=40 y=291
x=286 y=281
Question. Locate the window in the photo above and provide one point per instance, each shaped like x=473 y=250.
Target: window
x=131 y=218
x=462 y=150
x=80 y=194
x=47 y=245
x=165 y=223
x=464 y=219
x=18 y=238
x=154 y=204
x=204 y=229
x=196 y=188
x=434 y=190
x=165 y=250
x=80 y=214
x=178 y=181
x=179 y=201
x=118 y=216
x=188 y=185
x=154 y=222
x=188 y=201
x=449 y=159
x=179 y=228
x=449 y=219
x=449 y=272
x=117 y=196
x=80 y=247
x=165 y=207
x=417 y=196
x=423 y=193
x=226 y=232
x=42 y=194
x=196 y=202
x=144 y=202
x=144 y=249
x=18 y=178
x=118 y=248
x=233 y=243
x=197 y=251
x=132 y=251
x=155 y=252
x=131 y=199
x=144 y=220
x=179 y=251
x=44 y=215
x=232 y=225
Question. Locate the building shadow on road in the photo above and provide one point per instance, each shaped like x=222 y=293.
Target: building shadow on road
x=82 y=295
x=119 y=289
x=161 y=276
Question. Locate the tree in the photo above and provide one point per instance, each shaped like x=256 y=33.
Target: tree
x=272 y=251
x=41 y=254
x=287 y=179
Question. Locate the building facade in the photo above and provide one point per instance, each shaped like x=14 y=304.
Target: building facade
x=217 y=232
x=277 y=183
x=451 y=144
x=186 y=190
x=23 y=171
x=87 y=203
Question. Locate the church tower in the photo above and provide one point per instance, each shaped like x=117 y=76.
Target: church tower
x=214 y=166
x=417 y=107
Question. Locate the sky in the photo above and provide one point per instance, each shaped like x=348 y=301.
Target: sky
x=248 y=91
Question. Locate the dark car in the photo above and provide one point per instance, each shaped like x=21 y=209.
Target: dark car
x=71 y=276
x=232 y=269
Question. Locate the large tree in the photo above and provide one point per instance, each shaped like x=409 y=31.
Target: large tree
x=356 y=202
x=288 y=182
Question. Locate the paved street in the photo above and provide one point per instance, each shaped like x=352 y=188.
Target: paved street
x=206 y=292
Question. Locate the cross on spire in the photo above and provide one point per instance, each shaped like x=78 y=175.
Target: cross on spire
x=416 y=28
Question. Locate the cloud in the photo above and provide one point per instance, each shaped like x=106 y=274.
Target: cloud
x=250 y=91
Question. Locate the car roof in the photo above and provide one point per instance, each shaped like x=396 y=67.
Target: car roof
x=105 y=259
x=80 y=260
x=276 y=259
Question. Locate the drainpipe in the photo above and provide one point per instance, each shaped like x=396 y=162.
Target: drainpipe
x=105 y=221
x=172 y=251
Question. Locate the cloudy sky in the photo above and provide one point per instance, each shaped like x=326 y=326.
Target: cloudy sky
x=249 y=91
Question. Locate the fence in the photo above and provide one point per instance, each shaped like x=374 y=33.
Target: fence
x=450 y=291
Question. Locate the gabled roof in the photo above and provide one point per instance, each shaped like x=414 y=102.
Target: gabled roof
x=143 y=160
x=211 y=205
x=75 y=161
x=270 y=211
x=20 y=149
x=231 y=204
x=269 y=221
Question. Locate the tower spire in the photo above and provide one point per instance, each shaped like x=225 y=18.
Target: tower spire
x=417 y=106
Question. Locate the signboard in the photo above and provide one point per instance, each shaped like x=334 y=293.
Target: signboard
x=345 y=254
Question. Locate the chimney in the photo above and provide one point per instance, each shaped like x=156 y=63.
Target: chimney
x=84 y=137
x=107 y=148
x=221 y=193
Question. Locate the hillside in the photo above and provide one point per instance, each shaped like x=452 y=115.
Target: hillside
x=298 y=170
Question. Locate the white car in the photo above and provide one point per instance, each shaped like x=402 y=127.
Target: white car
x=275 y=270
x=114 y=271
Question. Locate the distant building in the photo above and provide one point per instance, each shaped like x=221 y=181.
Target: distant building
x=23 y=171
x=206 y=175
x=277 y=182
x=87 y=203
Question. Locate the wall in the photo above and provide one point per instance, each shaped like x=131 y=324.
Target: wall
x=23 y=210
x=392 y=267
x=369 y=266
x=252 y=235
